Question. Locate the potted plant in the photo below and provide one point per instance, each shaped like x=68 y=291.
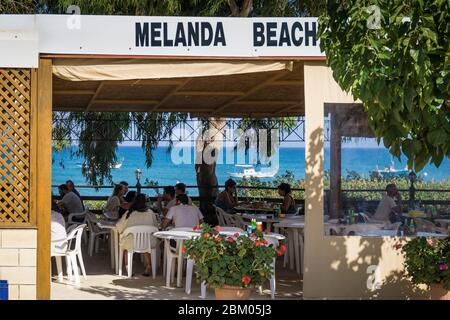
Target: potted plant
x=427 y=262
x=233 y=265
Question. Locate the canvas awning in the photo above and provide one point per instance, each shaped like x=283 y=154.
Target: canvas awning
x=229 y=88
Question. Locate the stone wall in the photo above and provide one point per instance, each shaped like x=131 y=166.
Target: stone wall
x=18 y=262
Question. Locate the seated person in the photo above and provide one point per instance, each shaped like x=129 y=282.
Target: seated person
x=169 y=198
x=288 y=206
x=138 y=215
x=71 y=187
x=58 y=233
x=227 y=199
x=180 y=188
x=387 y=209
x=70 y=202
x=127 y=198
x=114 y=203
x=183 y=214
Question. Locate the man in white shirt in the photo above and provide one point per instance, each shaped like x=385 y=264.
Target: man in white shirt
x=387 y=205
x=183 y=214
x=70 y=202
x=180 y=188
x=169 y=198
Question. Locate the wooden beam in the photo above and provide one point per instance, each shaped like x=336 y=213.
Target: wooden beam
x=335 y=165
x=73 y=92
x=267 y=102
x=287 y=83
x=97 y=92
x=295 y=105
x=143 y=102
x=170 y=94
x=43 y=112
x=254 y=89
x=146 y=82
x=209 y=93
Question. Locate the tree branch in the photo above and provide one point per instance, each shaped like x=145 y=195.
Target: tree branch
x=246 y=8
x=234 y=8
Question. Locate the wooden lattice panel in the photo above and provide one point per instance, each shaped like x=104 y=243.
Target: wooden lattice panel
x=15 y=101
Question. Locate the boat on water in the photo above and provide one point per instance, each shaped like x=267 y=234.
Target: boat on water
x=390 y=171
x=116 y=165
x=251 y=172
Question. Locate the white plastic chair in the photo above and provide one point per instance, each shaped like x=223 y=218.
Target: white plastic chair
x=142 y=243
x=94 y=232
x=70 y=222
x=71 y=253
x=74 y=251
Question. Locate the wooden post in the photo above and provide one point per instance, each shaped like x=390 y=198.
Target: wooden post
x=43 y=113
x=335 y=204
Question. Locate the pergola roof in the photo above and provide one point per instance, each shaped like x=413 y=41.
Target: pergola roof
x=259 y=94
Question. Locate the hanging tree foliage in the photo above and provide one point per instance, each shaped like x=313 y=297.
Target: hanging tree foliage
x=394 y=56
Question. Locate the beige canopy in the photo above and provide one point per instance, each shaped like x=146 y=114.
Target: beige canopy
x=231 y=88
x=128 y=69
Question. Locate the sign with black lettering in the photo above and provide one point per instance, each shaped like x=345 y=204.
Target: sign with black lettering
x=176 y=36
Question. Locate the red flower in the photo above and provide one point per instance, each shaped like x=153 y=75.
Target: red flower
x=246 y=280
x=397 y=246
x=196 y=228
x=206 y=235
x=443 y=266
x=281 y=250
x=217 y=228
x=430 y=242
x=183 y=250
x=230 y=239
x=236 y=235
x=218 y=239
x=265 y=242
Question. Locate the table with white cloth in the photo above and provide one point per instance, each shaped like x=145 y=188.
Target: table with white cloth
x=181 y=235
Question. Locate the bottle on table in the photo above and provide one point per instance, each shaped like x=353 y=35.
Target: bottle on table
x=259 y=226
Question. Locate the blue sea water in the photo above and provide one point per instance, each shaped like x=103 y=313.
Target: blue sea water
x=165 y=172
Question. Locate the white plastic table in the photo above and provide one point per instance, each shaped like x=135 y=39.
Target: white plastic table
x=114 y=243
x=179 y=235
x=295 y=243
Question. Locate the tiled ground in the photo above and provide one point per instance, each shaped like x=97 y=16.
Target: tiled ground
x=102 y=284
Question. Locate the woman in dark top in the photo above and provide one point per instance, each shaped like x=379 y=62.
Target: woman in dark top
x=227 y=199
x=288 y=206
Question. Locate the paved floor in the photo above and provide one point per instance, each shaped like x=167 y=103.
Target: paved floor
x=102 y=284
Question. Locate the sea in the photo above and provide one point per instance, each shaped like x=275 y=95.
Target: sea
x=168 y=168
